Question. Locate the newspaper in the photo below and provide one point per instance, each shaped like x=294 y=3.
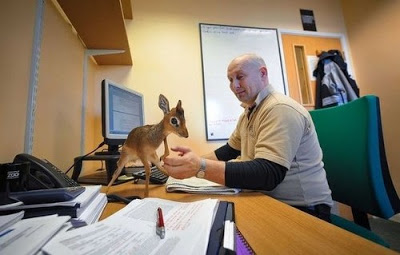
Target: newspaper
x=197 y=185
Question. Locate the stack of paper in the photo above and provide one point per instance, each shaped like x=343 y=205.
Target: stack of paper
x=29 y=235
x=89 y=202
x=197 y=185
x=132 y=230
x=92 y=212
x=9 y=220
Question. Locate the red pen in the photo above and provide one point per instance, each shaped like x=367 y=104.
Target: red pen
x=160 y=229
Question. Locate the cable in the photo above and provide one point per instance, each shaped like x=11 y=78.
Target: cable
x=69 y=169
x=118 y=198
x=101 y=167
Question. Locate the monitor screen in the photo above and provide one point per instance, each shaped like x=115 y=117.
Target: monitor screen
x=122 y=110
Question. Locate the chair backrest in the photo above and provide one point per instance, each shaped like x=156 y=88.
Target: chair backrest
x=351 y=139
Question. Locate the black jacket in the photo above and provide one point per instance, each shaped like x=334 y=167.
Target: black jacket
x=323 y=92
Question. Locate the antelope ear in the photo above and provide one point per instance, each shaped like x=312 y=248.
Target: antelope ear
x=163 y=103
x=179 y=105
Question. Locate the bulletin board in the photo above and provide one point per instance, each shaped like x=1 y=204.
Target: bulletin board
x=219 y=45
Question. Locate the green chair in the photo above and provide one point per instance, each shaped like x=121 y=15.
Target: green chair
x=354 y=158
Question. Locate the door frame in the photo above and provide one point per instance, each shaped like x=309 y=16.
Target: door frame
x=343 y=41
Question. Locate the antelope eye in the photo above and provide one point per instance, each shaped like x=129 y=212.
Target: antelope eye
x=174 y=122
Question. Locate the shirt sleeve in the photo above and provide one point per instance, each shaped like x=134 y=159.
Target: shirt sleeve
x=235 y=139
x=279 y=135
x=257 y=174
x=226 y=153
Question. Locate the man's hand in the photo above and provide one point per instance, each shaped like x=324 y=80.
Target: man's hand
x=185 y=165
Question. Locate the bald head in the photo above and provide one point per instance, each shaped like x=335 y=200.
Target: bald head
x=248 y=59
x=247 y=75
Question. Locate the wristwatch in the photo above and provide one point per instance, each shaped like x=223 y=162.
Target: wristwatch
x=202 y=170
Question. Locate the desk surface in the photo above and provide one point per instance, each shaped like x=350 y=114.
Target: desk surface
x=270 y=226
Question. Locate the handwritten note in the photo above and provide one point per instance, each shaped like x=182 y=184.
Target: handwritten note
x=219 y=45
x=132 y=230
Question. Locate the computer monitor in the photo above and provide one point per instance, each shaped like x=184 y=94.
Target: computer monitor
x=121 y=111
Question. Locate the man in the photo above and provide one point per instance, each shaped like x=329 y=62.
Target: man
x=274 y=146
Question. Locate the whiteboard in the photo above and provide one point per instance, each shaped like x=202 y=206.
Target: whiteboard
x=219 y=45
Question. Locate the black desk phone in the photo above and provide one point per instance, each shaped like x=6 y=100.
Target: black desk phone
x=43 y=174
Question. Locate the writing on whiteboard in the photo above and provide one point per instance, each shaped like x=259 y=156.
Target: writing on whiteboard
x=219 y=122
x=219 y=45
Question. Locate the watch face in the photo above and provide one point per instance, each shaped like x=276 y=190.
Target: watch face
x=200 y=174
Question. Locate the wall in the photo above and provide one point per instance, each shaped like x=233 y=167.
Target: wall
x=165 y=45
x=16 y=26
x=373 y=37
x=59 y=95
x=57 y=127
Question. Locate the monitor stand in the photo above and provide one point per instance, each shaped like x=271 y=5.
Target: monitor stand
x=111 y=164
x=110 y=157
x=112 y=150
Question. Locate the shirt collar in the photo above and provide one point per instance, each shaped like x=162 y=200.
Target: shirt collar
x=260 y=97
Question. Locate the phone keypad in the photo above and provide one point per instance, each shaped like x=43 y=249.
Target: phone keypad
x=66 y=179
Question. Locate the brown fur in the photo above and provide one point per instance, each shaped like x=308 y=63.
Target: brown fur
x=142 y=142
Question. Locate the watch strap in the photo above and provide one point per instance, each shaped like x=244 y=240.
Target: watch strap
x=202 y=170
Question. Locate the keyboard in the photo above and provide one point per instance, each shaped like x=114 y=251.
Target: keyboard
x=156 y=176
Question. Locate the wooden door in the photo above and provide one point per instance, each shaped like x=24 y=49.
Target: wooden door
x=300 y=53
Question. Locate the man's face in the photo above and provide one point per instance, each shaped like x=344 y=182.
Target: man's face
x=245 y=80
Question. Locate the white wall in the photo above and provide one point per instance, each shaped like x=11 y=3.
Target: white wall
x=165 y=45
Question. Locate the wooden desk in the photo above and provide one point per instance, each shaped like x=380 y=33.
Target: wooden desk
x=270 y=226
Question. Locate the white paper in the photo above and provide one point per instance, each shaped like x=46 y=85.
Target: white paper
x=8 y=220
x=132 y=230
x=92 y=212
x=7 y=206
x=29 y=235
x=197 y=185
x=229 y=235
x=312 y=62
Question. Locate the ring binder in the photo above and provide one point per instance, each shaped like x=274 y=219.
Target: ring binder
x=242 y=246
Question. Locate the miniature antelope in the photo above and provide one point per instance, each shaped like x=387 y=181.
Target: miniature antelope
x=142 y=142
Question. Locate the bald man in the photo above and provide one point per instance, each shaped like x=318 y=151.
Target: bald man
x=274 y=147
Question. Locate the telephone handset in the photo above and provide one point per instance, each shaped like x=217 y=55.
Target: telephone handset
x=43 y=174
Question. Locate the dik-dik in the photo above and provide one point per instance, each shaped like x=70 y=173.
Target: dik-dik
x=142 y=142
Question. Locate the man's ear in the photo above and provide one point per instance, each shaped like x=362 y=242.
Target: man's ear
x=263 y=72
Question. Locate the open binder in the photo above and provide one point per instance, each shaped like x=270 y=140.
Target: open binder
x=226 y=213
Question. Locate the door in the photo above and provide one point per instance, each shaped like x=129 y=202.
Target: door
x=301 y=56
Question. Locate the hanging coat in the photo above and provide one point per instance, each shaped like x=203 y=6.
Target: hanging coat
x=334 y=84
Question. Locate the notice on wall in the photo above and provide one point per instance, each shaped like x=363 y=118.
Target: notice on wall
x=308 y=20
x=312 y=62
